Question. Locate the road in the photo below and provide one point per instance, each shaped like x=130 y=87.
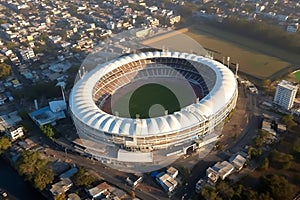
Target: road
x=110 y=175
x=244 y=139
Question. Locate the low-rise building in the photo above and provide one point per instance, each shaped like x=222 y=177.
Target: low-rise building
x=134 y=180
x=9 y=124
x=69 y=173
x=172 y=171
x=237 y=161
x=166 y=181
x=99 y=190
x=15 y=133
x=61 y=187
x=222 y=169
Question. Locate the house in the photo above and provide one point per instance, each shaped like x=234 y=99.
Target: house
x=174 y=19
x=212 y=175
x=166 y=181
x=9 y=122
x=281 y=128
x=99 y=190
x=15 y=133
x=237 y=161
x=69 y=173
x=48 y=115
x=172 y=171
x=267 y=126
x=134 y=180
x=61 y=187
x=222 y=169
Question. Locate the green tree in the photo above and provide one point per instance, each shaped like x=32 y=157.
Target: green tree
x=288 y=120
x=35 y=169
x=83 y=177
x=10 y=45
x=5 y=143
x=209 y=193
x=265 y=164
x=225 y=190
x=48 y=131
x=254 y=152
x=258 y=141
x=278 y=187
x=42 y=178
x=5 y=70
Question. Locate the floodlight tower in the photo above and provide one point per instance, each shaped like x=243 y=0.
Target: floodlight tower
x=236 y=69
x=62 y=86
x=228 y=61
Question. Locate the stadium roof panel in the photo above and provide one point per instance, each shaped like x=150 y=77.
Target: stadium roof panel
x=85 y=110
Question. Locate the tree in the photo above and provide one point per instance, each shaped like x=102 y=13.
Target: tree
x=288 y=120
x=225 y=191
x=83 y=177
x=254 y=152
x=48 y=131
x=209 y=193
x=10 y=45
x=35 y=169
x=5 y=143
x=42 y=178
x=5 y=70
x=61 y=196
x=265 y=164
x=278 y=187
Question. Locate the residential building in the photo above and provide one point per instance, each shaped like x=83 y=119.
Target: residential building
x=285 y=94
x=15 y=133
x=134 y=180
x=100 y=189
x=166 y=181
x=237 y=161
x=222 y=169
x=172 y=171
x=27 y=54
x=61 y=186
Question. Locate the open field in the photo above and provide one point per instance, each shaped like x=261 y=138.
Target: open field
x=252 y=62
x=257 y=60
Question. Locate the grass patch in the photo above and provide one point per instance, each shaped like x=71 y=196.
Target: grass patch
x=297 y=76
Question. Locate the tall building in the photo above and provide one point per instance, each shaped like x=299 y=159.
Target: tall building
x=285 y=94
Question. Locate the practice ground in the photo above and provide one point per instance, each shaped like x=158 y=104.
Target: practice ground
x=250 y=61
x=255 y=58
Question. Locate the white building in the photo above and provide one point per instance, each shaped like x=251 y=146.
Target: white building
x=237 y=161
x=222 y=169
x=27 y=54
x=285 y=94
x=14 y=134
x=166 y=181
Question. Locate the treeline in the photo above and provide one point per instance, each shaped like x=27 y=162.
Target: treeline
x=263 y=32
x=272 y=187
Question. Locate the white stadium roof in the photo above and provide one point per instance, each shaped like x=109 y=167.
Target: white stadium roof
x=84 y=108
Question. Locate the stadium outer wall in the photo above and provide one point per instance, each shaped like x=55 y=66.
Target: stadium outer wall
x=130 y=149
